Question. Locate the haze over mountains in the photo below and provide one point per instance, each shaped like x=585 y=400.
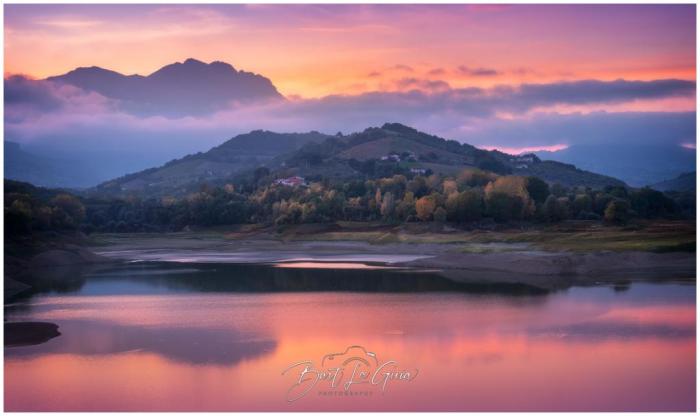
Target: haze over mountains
x=92 y=124
x=639 y=165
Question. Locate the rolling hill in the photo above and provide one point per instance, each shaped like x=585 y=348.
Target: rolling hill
x=396 y=148
x=374 y=152
x=243 y=152
x=685 y=182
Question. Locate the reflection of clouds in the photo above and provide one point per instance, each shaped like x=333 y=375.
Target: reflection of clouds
x=595 y=331
x=186 y=344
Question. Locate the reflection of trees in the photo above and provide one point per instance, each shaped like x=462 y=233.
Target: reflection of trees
x=261 y=278
x=190 y=345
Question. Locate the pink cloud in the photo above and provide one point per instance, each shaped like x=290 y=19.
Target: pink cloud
x=527 y=149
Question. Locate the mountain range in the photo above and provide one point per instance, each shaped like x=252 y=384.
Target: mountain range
x=180 y=89
x=193 y=88
x=374 y=152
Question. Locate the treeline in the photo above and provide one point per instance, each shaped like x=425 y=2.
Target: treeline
x=470 y=197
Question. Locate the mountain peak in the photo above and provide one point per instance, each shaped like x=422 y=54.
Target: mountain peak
x=399 y=128
x=184 y=88
x=192 y=61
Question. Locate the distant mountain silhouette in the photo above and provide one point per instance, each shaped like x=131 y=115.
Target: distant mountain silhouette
x=638 y=165
x=43 y=171
x=180 y=89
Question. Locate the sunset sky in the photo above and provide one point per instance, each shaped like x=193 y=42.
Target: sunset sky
x=508 y=77
x=315 y=50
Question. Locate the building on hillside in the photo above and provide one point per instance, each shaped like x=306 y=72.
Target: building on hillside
x=291 y=181
x=528 y=158
x=392 y=156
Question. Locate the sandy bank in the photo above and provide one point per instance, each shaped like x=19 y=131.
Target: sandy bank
x=29 y=333
x=560 y=270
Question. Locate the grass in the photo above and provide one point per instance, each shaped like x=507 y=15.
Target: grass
x=651 y=237
x=575 y=237
x=659 y=237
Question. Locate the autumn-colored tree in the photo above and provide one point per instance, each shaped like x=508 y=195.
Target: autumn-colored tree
x=387 y=207
x=425 y=207
x=449 y=186
x=617 y=211
x=406 y=207
x=513 y=186
x=474 y=177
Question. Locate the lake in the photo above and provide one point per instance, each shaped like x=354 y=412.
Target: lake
x=215 y=337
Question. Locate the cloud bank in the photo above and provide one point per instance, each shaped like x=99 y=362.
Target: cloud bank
x=67 y=121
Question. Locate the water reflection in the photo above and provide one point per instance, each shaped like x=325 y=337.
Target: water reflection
x=205 y=277
x=163 y=337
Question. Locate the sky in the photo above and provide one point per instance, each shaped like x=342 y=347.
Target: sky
x=511 y=77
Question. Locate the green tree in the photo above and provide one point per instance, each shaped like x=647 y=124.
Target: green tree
x=440 y=215
x=68 y=210
x=464 y=206
x=649 y=203
x=503 y=207
x=538 y=189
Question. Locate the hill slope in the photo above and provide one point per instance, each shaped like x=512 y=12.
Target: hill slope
x=374 y=152
x=25 y=166
x=243 y=152
x=685 y=182
x=394 y=148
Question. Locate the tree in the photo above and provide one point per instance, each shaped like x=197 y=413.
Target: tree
x=425 y=207
x=582 y=203
x=440 y=215
x=514 y=187
x=464 y=206
x=387 y=207
x=474 y=177
x=449 y=186
x=617 y=211
x=649 y=203
x=558 y=190
x=18 y=215
x=407 y=206
x=260 y=173
x=417 y=186
x=72 y=211
x=537 y=189
x=554 y=210
x=503 y=207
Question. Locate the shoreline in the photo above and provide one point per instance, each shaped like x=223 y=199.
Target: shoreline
x=512 y=263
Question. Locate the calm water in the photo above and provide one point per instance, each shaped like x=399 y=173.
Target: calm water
x=213 y=337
